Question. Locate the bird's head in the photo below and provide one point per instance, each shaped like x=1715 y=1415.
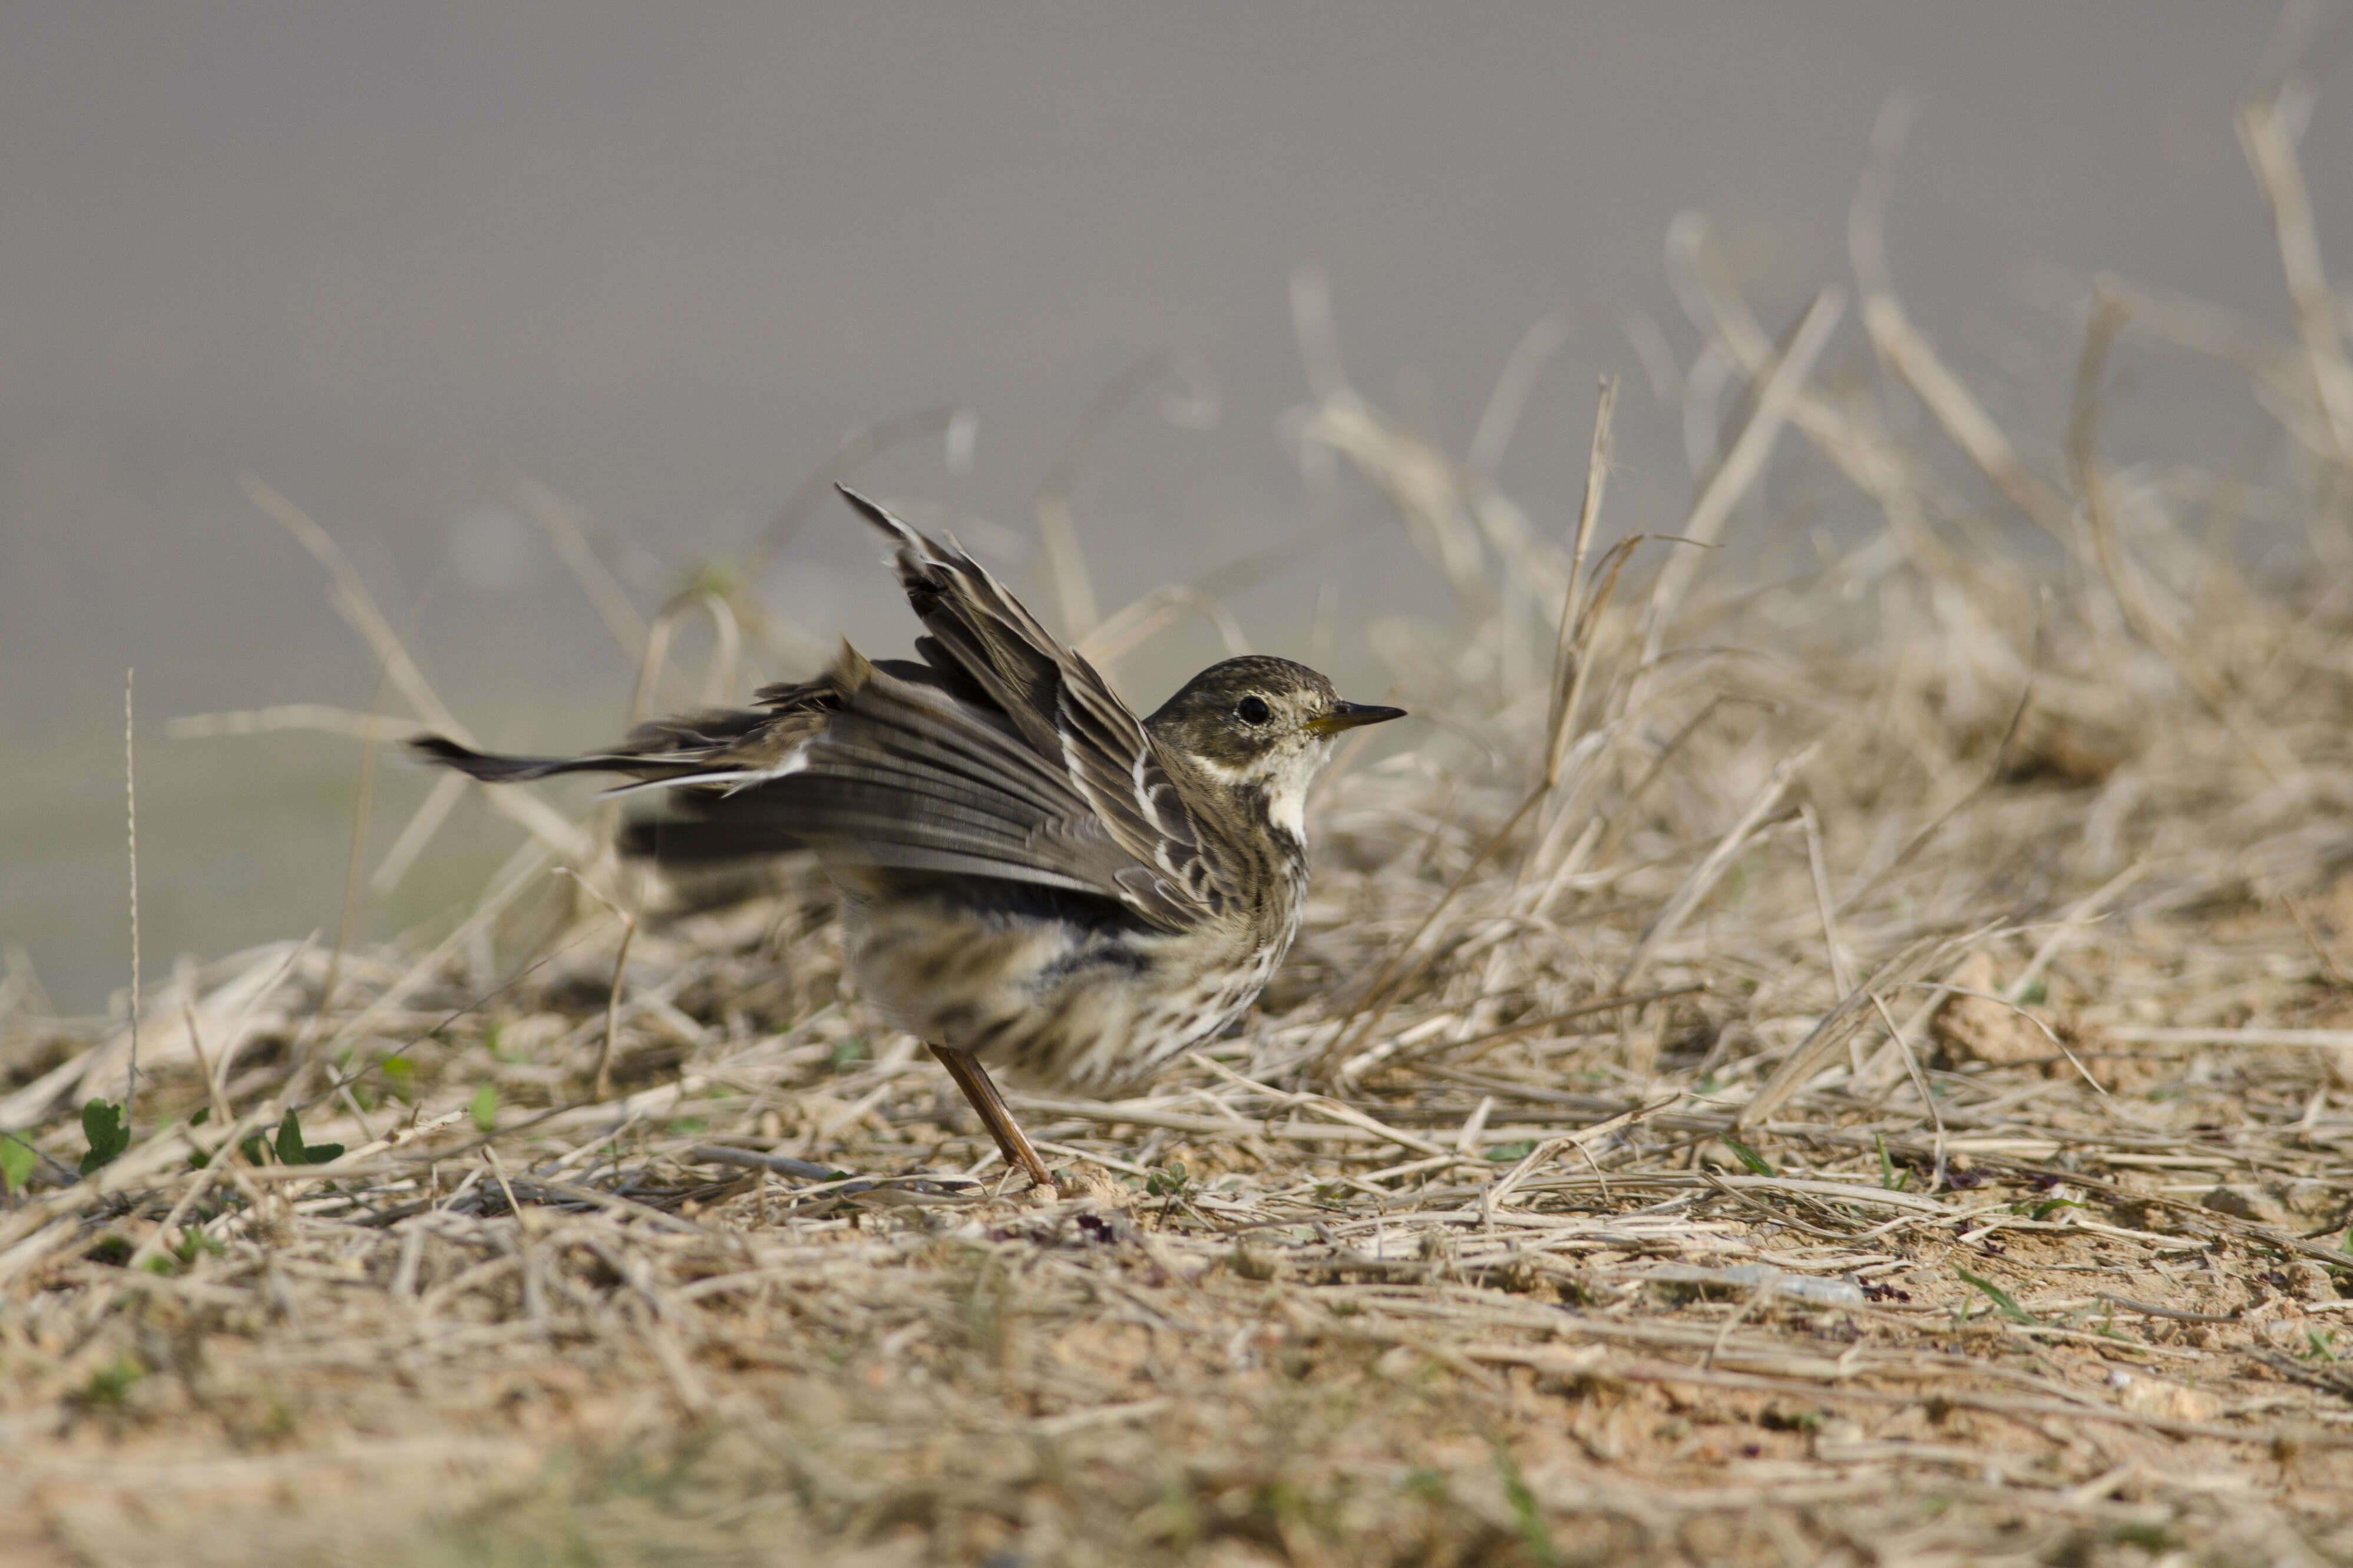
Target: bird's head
x=1263 y=728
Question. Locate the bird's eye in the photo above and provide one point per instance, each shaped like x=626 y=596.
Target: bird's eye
x=1253 y=711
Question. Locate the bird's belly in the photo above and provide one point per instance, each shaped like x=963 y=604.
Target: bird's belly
x=1056 y=1004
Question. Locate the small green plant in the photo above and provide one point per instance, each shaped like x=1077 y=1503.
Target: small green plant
x=1742 y=878
x=1171 y=1182
x=1758 y=1164
x=355 y=1085
x=1519 y=1151
x=292 y=1150
x=848 y=1052
x=16 y=1161
x=108 y=1132
x=1525 y=1512
x=1894 y=1180
x=484 y=1108
x=2036 y=991
x=2319 y=1344
x=192 y=1244
x=400 y=1075
x=2002 y=1300
x=1180 y=1521
x=111 y=1385
x=111 y=1250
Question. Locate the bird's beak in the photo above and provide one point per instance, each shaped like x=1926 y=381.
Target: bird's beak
x=1348 y=715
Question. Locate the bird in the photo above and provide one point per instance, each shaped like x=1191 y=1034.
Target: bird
x=1034 y=881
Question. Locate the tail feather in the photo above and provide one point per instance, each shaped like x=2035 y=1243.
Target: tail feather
x=492 y=768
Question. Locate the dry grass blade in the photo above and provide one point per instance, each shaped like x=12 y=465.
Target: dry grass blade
x=1056 y=528
x=1705 y=875
x=1741 y=463
x=1853 y=1011
x=565 y=522
x=2125 y=580
x=355 y=604
x=1572 y=660
x=860 y=449
x=2265 y=124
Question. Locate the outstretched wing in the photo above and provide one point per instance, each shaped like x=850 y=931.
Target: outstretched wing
x=1059 y=704
x=872 y=766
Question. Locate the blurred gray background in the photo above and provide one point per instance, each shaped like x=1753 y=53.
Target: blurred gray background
x=664 y=259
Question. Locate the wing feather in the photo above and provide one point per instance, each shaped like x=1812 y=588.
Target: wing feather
x=1002 y=753
x=908 y=777
x=1062 y=706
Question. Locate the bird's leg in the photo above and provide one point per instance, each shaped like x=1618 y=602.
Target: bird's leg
x=995 y=1114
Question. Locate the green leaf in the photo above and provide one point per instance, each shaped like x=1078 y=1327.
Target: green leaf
x=292 y=1150
x=256 y=1150
x=1758 y=1164
x=1886 y=1166
x=109 y=1134
x=2001 y=1298
x=400 y=1076
x=204 y=1114
x=484 y=1108
x=1535 y=1532
x=1425 y=1483
x=113 y=1384
x=16 y=1161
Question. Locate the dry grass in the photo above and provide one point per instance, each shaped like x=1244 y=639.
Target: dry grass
x=1963 y=1178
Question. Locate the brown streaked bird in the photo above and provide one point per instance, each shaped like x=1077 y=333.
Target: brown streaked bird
x=1033 y=879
